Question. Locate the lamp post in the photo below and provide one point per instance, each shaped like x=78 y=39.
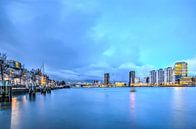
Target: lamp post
x=1 y=67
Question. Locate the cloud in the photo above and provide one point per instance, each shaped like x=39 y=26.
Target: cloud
x=84 y=39
x=64 y=74
x=53 y=32
x=62 y=35
x=191 y=66
x=141 y=70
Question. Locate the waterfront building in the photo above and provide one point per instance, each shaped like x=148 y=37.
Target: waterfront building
x=194 y=81
x=137 y=80
x=96 y=83
x=14 y=64
x=173 y=76
x=106 y=79
x=153 y=78
x=181 y=70
x=160 y=76
x=131 y=78
x=14 y=72
x=147 y=80
x=168 y=75
x=120 y=84
x=186 y=80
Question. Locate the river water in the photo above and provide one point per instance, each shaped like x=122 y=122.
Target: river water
x=103 y=108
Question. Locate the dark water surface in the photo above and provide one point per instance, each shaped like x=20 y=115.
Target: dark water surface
x=109 y=108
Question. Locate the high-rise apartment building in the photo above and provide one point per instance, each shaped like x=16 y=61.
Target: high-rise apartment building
x=153 y=78
x=131 y=78
x=106 y=78
x=160 y=76
x=168 y=75
x=180 y=70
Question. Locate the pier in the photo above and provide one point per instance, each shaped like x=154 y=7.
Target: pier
x=5 y=85
x=5 y=91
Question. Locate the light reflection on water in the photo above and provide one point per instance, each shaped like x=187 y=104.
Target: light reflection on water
x=163 y=108
x=132 y=101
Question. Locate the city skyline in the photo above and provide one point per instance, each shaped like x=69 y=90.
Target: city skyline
x=171 y=75
x=84 y=40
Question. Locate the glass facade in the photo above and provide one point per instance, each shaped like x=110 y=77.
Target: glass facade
x=131 y=78
x=106 y=78
x=181 y=70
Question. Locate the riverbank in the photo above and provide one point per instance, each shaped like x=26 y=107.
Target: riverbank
x=136 y=86
x=23 y=90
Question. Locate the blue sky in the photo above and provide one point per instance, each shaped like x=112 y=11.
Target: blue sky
x=82 y=39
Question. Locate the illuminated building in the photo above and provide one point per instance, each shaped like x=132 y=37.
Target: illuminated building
x=14 y=64
x=106 y=78
x=153 y=77
x=186 y=80
x=14 y=72
x=131 y=78
x=168 y=73
x=181 y=70
x=120 y=84
x=43 y=81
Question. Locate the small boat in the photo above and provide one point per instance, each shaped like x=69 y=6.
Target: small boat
x=133 y=90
